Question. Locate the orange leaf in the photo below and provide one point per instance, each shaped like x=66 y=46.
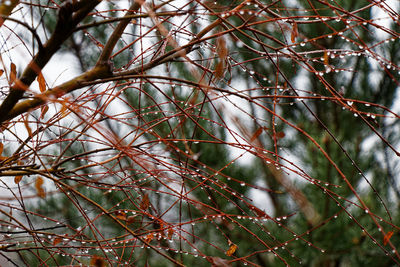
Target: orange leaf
x=39 y=189
x=231 y=250
x=57 y=240
x=120 y=215
x=1 y=148
x=295 y=32
x=256 y=134
x=13 y=73
x=1 y=72
x=17 y=179
x=149 y=237
x=145 y=202
x=326 y=58
x=387 y=237
x=42 y=82
x=26 y=123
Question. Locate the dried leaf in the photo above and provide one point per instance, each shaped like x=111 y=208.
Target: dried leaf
x=387 y=237
x=97 y=261
x=231 y=250
x=1 y=72
x=13 y=73
x=120 y=215
x=280 y=134
x=295 y=33
x=256 y=134
x=222 y=50
x=42 y=82
x=326 y=58
x=259 y=212
x=1 y=148
x=39 y=189
x=170 y=233
x=131 y=219
x=219 y=262
x=219 y=70
x=57 y=240
x=17 y=179
x=26 y=123
x=145 y=202
x=149 y=237
x=44 y=111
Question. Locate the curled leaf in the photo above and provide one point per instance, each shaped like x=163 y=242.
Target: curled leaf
x=231 y=250
x=387 y=237
x=149 y=237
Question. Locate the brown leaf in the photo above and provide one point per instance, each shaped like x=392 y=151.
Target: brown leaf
x=13 y=73
x=387 y=237
x=42 y=82
x=1 y=72
x=26 y=123
x=39 y=189
x=222 y=50
x=120 y=215
x=231 y=250
x=131 y=219
x=44 y=111
x=280 y=134
x=170 y=233
x=219 y=70
x=219 y=262
x=256 y=134
x=144 y=205
x=295 y=33
x=97 y=261
x=259 y=212
x=17 y=179
x=1 y=148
